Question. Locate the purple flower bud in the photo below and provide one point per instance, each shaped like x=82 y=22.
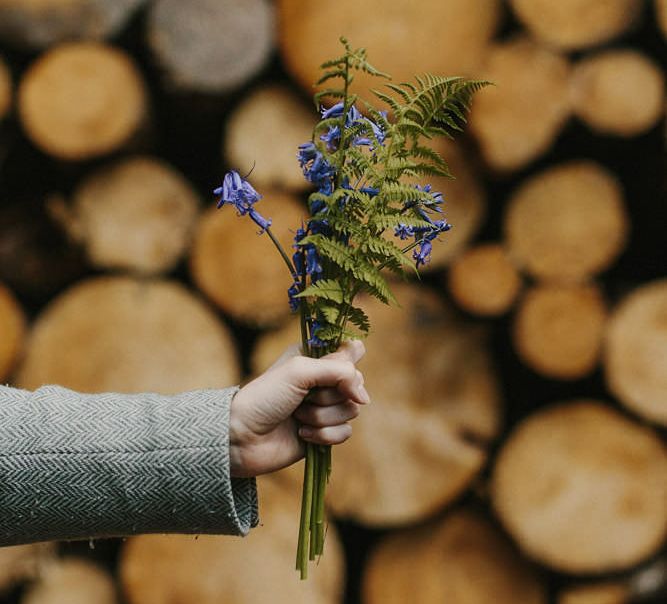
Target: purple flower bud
x=423 y=254
x=335 y=111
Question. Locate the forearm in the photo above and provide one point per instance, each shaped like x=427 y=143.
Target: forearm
x=78 y=466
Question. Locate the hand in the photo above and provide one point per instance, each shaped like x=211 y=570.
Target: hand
x=269 y=413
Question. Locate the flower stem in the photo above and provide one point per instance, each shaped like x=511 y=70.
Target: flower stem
x=280 y=249
x=306 y=511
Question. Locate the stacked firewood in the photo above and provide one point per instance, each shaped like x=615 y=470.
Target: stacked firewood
x=516 y=447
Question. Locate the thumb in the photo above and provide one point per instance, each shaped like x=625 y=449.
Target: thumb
x=350 y=350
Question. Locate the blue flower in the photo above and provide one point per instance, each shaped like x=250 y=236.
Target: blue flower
x=331 y=138
x=372 y=191
x=403 y=231
x=314 y=341
x=313 y=266
x=333 y=112
x=291 y=296
x=423 y=254
x=238 y=192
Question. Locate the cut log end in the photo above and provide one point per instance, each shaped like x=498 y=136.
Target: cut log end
x=12 y=328
x=576 y=24
x=484 y=281
x=461 y=559
x=554 y=236
x=270 y=114
x=635 y=355
x=34 y=24
x=582 y=489
x=82 y=100
x=5 y=89
x=21 y=562
x=211 y=46
x=213 y=569
x=443 y=37
x=72 y=581
x=599 y=593
x=136 y=215
x=558 y=330
x=618 y=92
x=518 y=119
x=117 y=334
x=241 y=271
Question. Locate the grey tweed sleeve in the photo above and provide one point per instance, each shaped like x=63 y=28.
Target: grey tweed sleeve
x=76 y=466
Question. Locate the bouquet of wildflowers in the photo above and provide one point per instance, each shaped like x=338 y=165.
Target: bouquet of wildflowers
x=364 y=218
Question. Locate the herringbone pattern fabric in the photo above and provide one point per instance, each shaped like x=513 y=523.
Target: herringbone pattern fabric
x=95 y=465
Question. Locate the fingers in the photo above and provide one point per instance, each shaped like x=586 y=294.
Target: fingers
x=326 y=372
x=350 y=350
x=331 y=435
x=321 y=417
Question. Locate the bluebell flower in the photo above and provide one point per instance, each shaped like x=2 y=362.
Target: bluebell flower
x=291 y=296
x=403 y=231
x=372 y=191
x=423 y=254
x=313 y=265
x=314 y=341
x=331 y=138
x=238 y=192
x=317 y=206
x=307 y=152
x=334 y=111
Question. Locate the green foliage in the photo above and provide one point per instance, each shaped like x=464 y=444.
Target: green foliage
x=356 y=249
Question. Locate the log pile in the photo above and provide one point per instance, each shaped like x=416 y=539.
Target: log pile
x=515 y=448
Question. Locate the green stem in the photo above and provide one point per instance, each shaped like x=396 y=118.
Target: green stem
x=306 y=512
x=279 y=247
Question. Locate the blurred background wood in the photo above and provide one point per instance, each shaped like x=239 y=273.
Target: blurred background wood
x=635 y=355
x=442 y=37
x=518 y=119
x=72 y=581
x=583 y=489
x=558 y=329
x=576 y=24
x=82 y=100
x=21 y=562
x=137 y=215
x=251 y=287
x=209 y=569
x=118 y=334
x=461 y=558
x=13 y=330
x=272 y=113
x=618 y=92
x=210 y=45
x=598 y=593
x=5 y=89
x=40 y=23
x=483 y=280
x=553 y=235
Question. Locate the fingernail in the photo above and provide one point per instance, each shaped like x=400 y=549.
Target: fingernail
x=363 y=394
x=305 y=432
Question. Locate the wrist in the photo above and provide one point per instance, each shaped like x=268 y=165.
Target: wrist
x=238 y=439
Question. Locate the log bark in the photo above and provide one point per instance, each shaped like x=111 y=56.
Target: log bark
x=582 y=489
x=461 y=559
x=518 y=120
x=576 y=24
x=5 y=89
x=635 y=354
x=553 y=235
x=263 y=134
x=240 y=270
x=35 y=24
x=72 y=581
x=21 y=562
x=13 y=330
x=117 y=334
x=618 y=92
x=427 y=434
x=211 y=46
x=596 y=593
x=558 y=330
x=137 y=214
x=82 y=100
x=484 y=281
x=445 y=38
x=179 y=569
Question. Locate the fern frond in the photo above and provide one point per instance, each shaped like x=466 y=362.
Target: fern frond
x=328 y=289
